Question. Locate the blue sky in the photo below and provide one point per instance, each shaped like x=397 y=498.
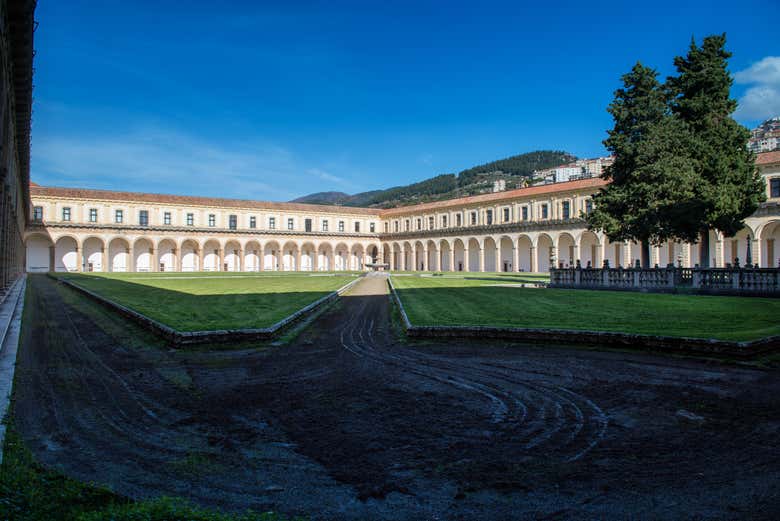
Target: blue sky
x=276 y=100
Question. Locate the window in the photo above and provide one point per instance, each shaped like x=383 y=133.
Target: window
x=458 y=220
x=324 y=225
x=431 y=223
x=524 y=212
x=419 y=223
x=357 y=227
x=119 y=216
x=38 y=214
x=473 y=218
x=272 y=223
x=387 y=227
x=397 y=226
x=506 y=215
x=143 y=217
x=566 y=209
x=232 y=222
x=66 y=214
x=253 y=222
x=212 y=220
x=307 y=225
x=372 y=227
x=443 y=221
x=167 y=218
x=544 y=211
x=489 y=215
x=406 y=225
x=290 y=223
x=190 y=219
x=774 y=187
x=341 y=226
x=93 y=215
x=588 y=206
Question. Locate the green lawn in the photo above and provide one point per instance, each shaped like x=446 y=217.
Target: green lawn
x=477 y=299
x=209 y=301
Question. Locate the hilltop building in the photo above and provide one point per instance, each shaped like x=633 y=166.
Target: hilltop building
x=765 y=137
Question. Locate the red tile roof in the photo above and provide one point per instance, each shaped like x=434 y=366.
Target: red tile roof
x=767 y=158
x=108 y=195
x=593 y=182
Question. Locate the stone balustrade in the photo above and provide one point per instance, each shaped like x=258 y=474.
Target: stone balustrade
x=733 y=280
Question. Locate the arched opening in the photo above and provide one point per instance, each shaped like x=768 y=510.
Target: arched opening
x=211 y=256
x=506 y=261
x=407 y=257
x=566 y=253
x=590 y=249
x=93 y=249
x=491 y=256
x=473 y=260
x=544 y=252
x=433 y=262
x=445 y=254
x=189 y=256
x=525 y=247
x=373 y=254
x=461 y=262
x=271 y=256
x=65 y=254
x=396 y=259
x=613 y=253
x=252 y=255
x=167 y=255
x=290 y=256
x=38 y=248
x=142 y=249
x=419 y=260
x=119 y=256
x=356 y=258
x=341 y=258
x=231 y=260
x=324 y=257
x=308 y=257
x=770 y=245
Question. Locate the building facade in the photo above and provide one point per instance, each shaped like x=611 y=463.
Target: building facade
x=525 y=229
x=16 y=57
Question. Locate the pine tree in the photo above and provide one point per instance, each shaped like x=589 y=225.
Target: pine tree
x=728 y=187
x=649 y=164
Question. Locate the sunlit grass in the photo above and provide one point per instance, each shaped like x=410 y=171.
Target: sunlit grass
x=478 y=299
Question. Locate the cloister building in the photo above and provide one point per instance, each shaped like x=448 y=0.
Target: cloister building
x=518 y=230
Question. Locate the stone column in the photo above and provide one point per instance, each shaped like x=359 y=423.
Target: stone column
x=437 y=266
x=576 y=255
x=297 y=260
x=241 y=259
x=200 y=259
x=466 y=259
x=481 y=259
x=534 y=260
x=425 y=261
x=79 y=259
x=52 y=258
x=154 y=264
x=718 y=253
x=179 y=254
x=755 y=251
x=452 y=258
x=221 y=261
x=627 y=260
x=498 y=260
x=515 y=258
x=103 y=260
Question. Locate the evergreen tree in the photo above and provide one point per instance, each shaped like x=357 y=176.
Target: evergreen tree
x=650 y=164
x=728 y=187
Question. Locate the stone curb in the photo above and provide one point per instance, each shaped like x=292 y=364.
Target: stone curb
x=178 y=338
x=745 y=349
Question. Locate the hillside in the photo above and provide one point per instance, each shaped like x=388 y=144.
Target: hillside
x=514 y=170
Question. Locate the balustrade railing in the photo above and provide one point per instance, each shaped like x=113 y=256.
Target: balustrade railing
x=726 y=280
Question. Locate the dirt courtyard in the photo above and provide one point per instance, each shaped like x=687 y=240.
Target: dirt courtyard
x=349 y=422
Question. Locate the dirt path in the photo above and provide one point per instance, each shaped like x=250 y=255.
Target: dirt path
x=349 y=424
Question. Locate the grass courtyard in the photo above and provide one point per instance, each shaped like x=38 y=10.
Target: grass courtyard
x=209 y=301
x=491 y=300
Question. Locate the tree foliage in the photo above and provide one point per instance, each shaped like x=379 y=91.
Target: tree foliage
x=520 y=165
x=681 y=161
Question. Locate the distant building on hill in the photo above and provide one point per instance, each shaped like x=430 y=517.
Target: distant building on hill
x=579 y=169
x=765 y=137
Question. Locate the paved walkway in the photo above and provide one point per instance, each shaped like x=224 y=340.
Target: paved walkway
x=10 y=325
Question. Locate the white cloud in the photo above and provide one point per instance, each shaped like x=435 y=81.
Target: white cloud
x=762 y=99
x=160 y=160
